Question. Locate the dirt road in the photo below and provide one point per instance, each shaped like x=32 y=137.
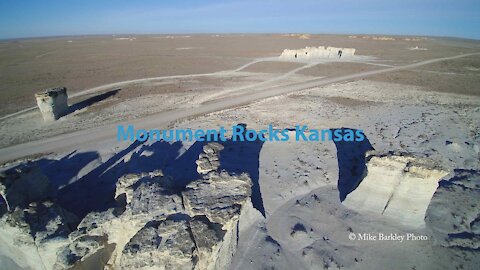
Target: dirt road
x=108 y=133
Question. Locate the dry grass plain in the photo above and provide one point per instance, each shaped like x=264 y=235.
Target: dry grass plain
x=30 y=65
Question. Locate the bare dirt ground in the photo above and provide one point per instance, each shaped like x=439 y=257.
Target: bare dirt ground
x=27 y=66
x=135 y=99
x=338 y=69
x=272 y=67
x=456 y=76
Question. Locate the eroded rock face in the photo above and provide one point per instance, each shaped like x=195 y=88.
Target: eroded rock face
x=209 y=160
x=316 y=52
x=125 y=182
x=155 y=225
x=142 y=198
x=219 y=196
x=166 y=244
x=85 y=252
x=31 y=236
x=158 y=226
x=398 y=186
x=177 y=242
x=32 y=227
x=52 y=103
x=153 y=197
x=454 y=212
x=43 y=221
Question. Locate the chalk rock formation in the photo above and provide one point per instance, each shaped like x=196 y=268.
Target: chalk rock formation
x=154 y=225
x=166 y=244
x=397 y=186
x=31 y=236
x=125 y=182
x=219 y=196
x=454 y=212
x=90 y=246
x=52 y=103
x=33 y=227
x=84 y=252
x=316 y=52
x=142 y=198
x=209 y=160
x=177 y=242
x=300 y=36
x=157 y=226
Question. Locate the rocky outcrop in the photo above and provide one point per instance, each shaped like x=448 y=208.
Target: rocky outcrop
x=209 y=160
x=317 y=52
x=177 y=242
x=158 y=226
x=166 y=244
x=219 y=196
x=453 y=215
x=32 y=227
x=155 y=225
x=52 y=103
x=398 y=186
x=85 y=252
x=31 y=236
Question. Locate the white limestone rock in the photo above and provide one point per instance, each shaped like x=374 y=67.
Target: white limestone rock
x=148 y=196
x=156 y=225
x=177 y=242
x=52 y=103
x=209 y=160
x=31 y=236
x=85 y=252
x=219 y=196
x=398 y=186
x=316 y=52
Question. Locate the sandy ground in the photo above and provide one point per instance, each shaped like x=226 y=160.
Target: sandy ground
x=421 y=102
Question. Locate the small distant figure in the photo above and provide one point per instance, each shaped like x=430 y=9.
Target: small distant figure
x=339 y=53
x=295 y=56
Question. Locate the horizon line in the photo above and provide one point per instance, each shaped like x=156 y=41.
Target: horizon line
x=229 y=33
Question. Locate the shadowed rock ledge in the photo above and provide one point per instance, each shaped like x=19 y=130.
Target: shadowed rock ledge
x=155 y=224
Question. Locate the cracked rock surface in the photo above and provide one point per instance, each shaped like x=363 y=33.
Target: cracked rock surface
x=155 y=224
x=209 y=160
x=454 y=212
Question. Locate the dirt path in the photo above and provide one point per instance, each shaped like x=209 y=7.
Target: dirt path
x=111 y=86
x=107 y=133
x=224 y=93
x=144 y=80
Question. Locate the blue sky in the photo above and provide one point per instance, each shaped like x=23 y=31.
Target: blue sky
x=34 y=18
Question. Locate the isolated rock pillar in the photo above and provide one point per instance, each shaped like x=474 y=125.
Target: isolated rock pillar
x=52 y=103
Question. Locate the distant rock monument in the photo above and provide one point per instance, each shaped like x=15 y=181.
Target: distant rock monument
x=317 y=52
x=52 y=103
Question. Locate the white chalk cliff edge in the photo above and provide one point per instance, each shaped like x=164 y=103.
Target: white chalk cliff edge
x=154 y=225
